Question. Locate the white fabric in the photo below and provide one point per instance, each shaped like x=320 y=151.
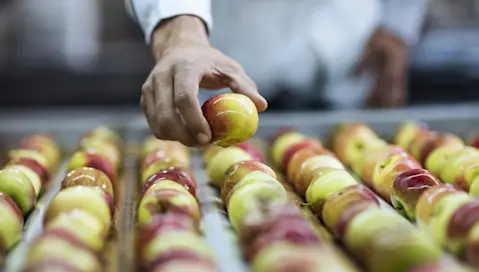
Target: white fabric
x=288 y=43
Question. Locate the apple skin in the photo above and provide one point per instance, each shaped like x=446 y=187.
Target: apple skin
x=312 y=167
x=442 y=214
x=185 y=260
x=443 y=265
x=44 y=144
x=186 y=265
x=87 y=176
x=407 y=132
x=376 y=146
x=152 y=144
x=108 y=149
x=428 y=201
x=253 y=151
x=11 y=225
x=239 y=170
x=18 y=186
x=337 y=205
x=221 y=162
x=35 y=166
x=81 y=225
x=158 y=166
x=433 y=141
x=387 y=170
x=35 y=180
x=437 y=158
x=474 y=190
x=474 y=140
x=291 y=150
x=48 y=248
x=104 y=133
x=90 y=199
x=95 y=160
x=326 y=184
x=180 y=175
x=460 y=225
x=167 y=196
x=408 y=188
x=52 y=265
x=161 y=223
x=21 y=154
x=300 y=157
x=471 y=255
x=233 y=118
x=174 y=241
x=350 y=141
x=456 y=163
x=374 y=157
x=249 y=197
x=209 y=151
x=282 y=143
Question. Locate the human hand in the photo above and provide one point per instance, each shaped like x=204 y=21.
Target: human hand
x=185 y=63
x=386 y=55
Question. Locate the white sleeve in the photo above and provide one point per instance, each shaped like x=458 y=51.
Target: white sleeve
x=405 y=18
x=149 y=13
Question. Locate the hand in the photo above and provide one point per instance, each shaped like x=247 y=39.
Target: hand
x=386 y=55
x=186 y=62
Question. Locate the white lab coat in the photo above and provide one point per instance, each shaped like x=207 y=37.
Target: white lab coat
x=293 y=43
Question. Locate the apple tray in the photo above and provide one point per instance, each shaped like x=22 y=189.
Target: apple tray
x=68 y=126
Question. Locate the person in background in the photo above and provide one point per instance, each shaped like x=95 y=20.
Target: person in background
x=294 y=45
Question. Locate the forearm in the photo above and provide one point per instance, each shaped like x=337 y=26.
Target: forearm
x=405 y=18
x=183 y=29
x=151 y=13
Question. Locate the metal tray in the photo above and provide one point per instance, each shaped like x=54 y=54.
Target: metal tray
x=67 y=127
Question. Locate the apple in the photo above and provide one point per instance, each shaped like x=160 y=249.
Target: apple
x=180 y=175
x=35 y=166
x=374 y=156
x=460 y=225
x=158 y=166
x=344 y=219
x=18 y=186
x=174 y=241
x=339 y=203
x=44 y=144
x=432 y=141
x=423 y=138
x=233 y=118
x=32 y=176
x=437 y=158
x=95 y=160
x=108 y=149
x=407 y=132
x=241 y=169
x=152 y=144
x=166 y=196
x=408 y=188
x=253 y=177
x=11 y=225
x=209 y=151
x=161 y=223
x=428 y=201
x=52 y=265
x=455 y=165
x=310 y=168
x=326 y=184
x=350 y=141
x=221 y=162
x=442 y=265
x=47 y=249
x=387 y=170
x=471 y=255
x=103 y=133
x=474 y=140
x=18 y=155
x=182 y=158
x=85 y=227
x=294 y=164
x=474 y=190
x=442 y=214
x=307 y=143
x=87 y=176
x=252 y=196
x=471 y=173
x=90 y=199
x=250 y=149
x=181 y=260
x=377 y=146
x=282 y=143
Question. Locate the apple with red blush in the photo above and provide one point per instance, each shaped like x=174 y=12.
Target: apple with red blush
x=178 y=174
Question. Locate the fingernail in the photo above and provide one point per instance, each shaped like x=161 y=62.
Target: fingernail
x=202 y=138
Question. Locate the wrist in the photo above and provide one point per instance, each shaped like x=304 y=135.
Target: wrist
x=177 y=31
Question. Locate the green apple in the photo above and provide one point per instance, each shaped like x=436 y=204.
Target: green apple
x=18 y=186
x=221 y=162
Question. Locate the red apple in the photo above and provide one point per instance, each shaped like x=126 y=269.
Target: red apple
x=165 y=154
x=35 y=166
x=296 y=161
x=87 y=176
x=428 y=200
x=183 y=259
x=408 y=188
x=93 y=159
x=460 y=224
x=407 y=132
x=233 y=118
x=158 y=166
x=178 y=174
x=305 y=144
x=44 y=144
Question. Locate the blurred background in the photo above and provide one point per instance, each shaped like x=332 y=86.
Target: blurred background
x=89 y=52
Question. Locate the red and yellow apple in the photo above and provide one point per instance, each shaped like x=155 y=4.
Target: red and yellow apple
x=44 y=144
x=428 y=201
x=437 y=159
x=32 y=176
x=11 y=225
x=252 y=177
x=233 y=118
x=294 y=164
x=180 y=175
x=18 y=186
x=158 y=166
x=19 y=155
x=41 y=170
x=307 y=143
x=87 y=176
x=471 y=254
x=407 y=132
x=474 y=190
x=281 y=143
x=250 y=149
x=422 y=146
x=373 y=157
x=95 y=160
x=454 y=167
x=408 y=188
x=460 y=225
x=161 y=155
x=108 y=149
x=222 y=161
